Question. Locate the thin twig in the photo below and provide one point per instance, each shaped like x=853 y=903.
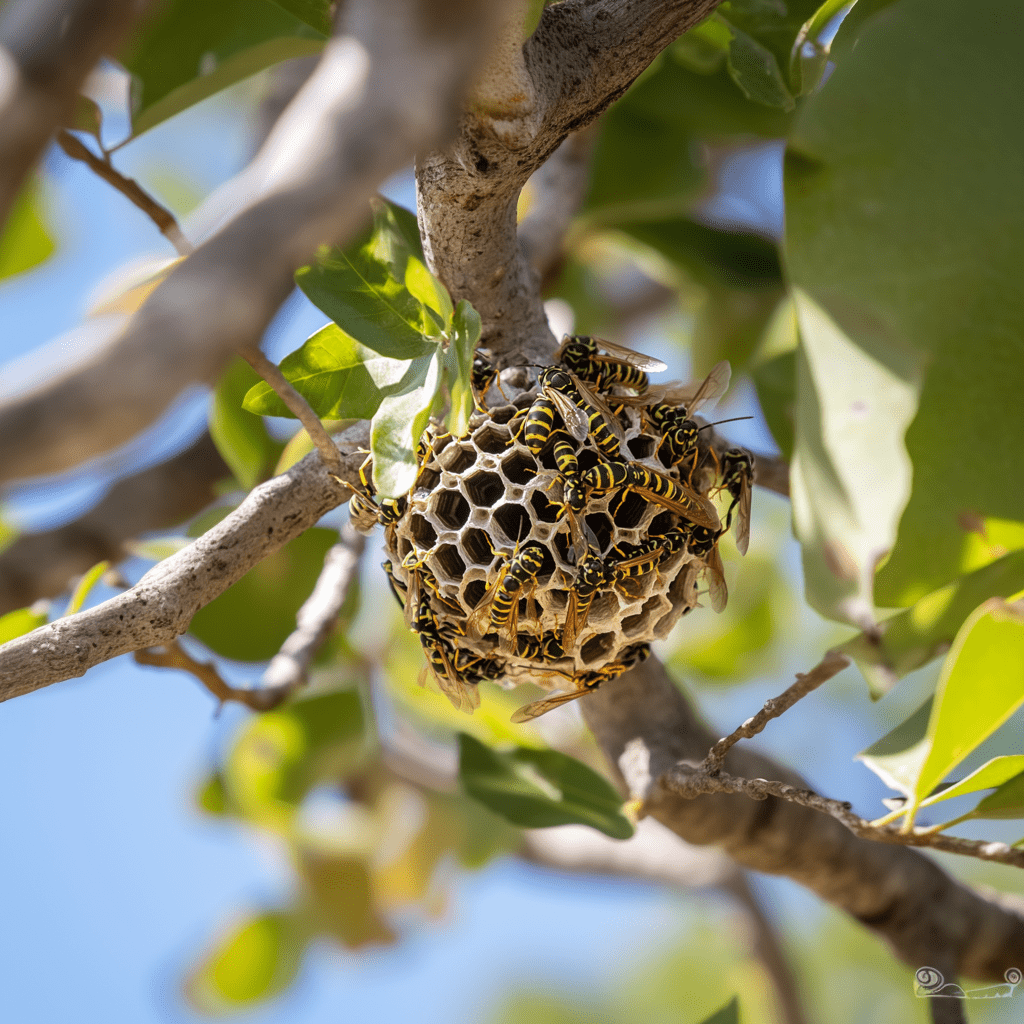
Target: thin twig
x=173 y=655
x=832 y=664
x=129 y=188
x=289 y=668
x=689 y=782
x=298 y=406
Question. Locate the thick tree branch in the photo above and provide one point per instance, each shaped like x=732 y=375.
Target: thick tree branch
x=41 y=564
x=584 y=55
x=646 y=727
x=391 y=87
x=161 y=605
x=47 y=49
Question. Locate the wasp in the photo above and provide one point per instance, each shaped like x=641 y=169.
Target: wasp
x=398 y=587
x=586 y=682
x=621 y=366
x=361 y=508
x=589 y=578
x=737 y=477
x=419 y=574
x=482 y=374
x=674 y=496
x=546 y=648
x=363 y=513
x=441 y=661
x=641 y=560
x=520 y=571
x=704 y=544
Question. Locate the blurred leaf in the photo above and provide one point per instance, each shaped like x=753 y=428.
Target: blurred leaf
x=8 y=533
x=191 y=49
x=913 y=637
x=315 y=13
x=87 y=117
x=19 y=622
x=813 y=45
x=157 y=549
x=850 y=475
x=240 y=437
x=362 y=289
x=990 y=775
x=342 y=899
x=281 y=755
x=340 y=378
x=254 y=616
x=399 y=423
x=1006 y=802
x=255 y=961
x=755 y=70
x=704 y=47
x=25 y=241
x=897 y=757
x=540 y=788
x=773 y=370
x=773 y=24
x=728 y=1014
x=930 y=261
x=465 y=333
x=212 y=796
x=85 y=584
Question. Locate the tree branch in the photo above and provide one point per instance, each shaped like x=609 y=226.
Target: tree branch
x=41 y=564
x=161 y=605
x=391 y=87
x=646 y=728
x=47 y=49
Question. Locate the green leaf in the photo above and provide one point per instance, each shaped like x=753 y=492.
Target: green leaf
x=904 y=223
x=211 y=797
x=981 y=685
x=363 y=290
x=25 y=242
x=19 y=622
x=8 y=533
x=813 y=45
x=254 y=616
x=540 y=788
x=256 y=960
x=240 y=437
x=897 y=757
x=428 y=289
x=342 y=901
x=755 y=70
x=399 y=423
x=773 y=370
x=192 y=49
x=340 y=378
x=913 y=637
x=315 y=13
x=728 y=1014
x=85 y=584
x=465 y=333
x=850 y=475
x=990 y=775
x=1006 y=802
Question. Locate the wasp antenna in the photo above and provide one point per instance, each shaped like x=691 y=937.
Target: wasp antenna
x=717 y=423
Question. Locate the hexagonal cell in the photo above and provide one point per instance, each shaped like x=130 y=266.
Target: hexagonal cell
x=484 y=489
x=597 y=647
x=476 y=546
x=422 y=532
x=474 y=593
x=544 y=509
x=661 y=524
x=642 y=446
x=513 y=521
x=602 y=529
x=562 y=543
x=427 y=480
x=458 y=458
x=502 y=413
x=450 y=508
x=439 y=442
x=520 y=467
x=587 y=458
x=634 y=625
x=404 y=548
x=448 y=562
x=684 y=587
x=491 y=438
x=627 y=509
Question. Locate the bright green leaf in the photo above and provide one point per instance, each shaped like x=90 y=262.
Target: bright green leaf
x=1006 y=802
x=728 y=1014
x=8 y=533
x=399 y=423
x=465 y=333
x=540 y=788
x=905 y=223
x=254 y=616
x=982 y=684
x=191 y=49
x=19 y=622
x=317 y=14
x=211 y=796
x=428 y=289
x=84 y=585
x=255 y=961
x=913 y=637
x=990 y=775
x=240 y=437
x=25 y=241
x=813 y=45
x=755 y=70
x=850 y=475
x=897 y=757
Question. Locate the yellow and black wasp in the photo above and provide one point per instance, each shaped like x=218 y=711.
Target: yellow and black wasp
x=419 y=575
x=737 y=478
x=545 y=648
x=633 y=561
x=674 y=496
x=581 y=354
x=519 y=572
x=482 y=374
x=586 y=682
x=442 y=658
x=365 y=513
x=703 y=543
x=590 y=576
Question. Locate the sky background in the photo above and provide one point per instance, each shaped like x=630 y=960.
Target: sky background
x=113 y=882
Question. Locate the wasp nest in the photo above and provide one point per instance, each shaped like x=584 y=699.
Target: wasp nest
x=531 y=523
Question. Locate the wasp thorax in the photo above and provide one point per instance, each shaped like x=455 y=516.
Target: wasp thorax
x=539 y=549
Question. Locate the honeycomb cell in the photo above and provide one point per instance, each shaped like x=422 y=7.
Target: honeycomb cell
x=474 y=592
x=642 y=446
x=450 y=509
x=519 y=468
x=422 y=532
x=545 y=510
x=503 y=413
x=484 y=489
x=449 y=563
x=661 y=524
x=597 y=647
x=627 y=509
x=476 y=546
x=635 y=625
x=562 y=543
x=457 y=459
x=427 y=480
x=513 y=521
x=491 y=439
